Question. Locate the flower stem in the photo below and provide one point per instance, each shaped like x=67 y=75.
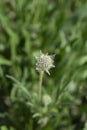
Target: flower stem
x=40 y=86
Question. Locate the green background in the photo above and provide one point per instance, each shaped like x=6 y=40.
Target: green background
x=54 y=26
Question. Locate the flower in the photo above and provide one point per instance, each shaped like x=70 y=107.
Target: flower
x=44 y=62
x=47 y=99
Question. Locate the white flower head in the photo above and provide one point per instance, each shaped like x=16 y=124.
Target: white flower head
x=47 y=99
x=44 y=62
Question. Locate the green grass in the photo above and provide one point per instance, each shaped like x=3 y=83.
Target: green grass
x=54 y=26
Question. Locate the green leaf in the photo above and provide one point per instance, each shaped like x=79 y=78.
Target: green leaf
x=4 y=128
x=19 y=85
x=4 y=61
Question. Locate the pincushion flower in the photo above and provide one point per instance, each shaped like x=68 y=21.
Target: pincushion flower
x=44 y=62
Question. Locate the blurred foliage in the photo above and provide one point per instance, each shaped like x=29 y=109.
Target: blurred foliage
x=54 y=26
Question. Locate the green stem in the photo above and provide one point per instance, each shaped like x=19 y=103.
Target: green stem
x=40 y=85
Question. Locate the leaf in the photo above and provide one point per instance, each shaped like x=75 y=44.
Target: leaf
x=36 y=115
x=83 y=60
x=85 y=128
x=4 y=61
x=4 y=128
x=19 y=85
